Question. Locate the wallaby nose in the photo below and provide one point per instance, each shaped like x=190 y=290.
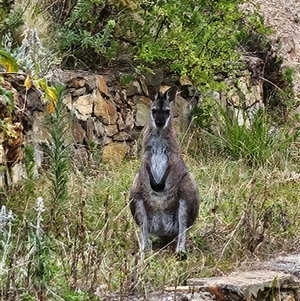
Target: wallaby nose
x=160 y=123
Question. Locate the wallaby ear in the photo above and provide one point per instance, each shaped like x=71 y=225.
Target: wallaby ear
x=170 y=94
x=152 y=92
x=189 y=93
x=184 y=91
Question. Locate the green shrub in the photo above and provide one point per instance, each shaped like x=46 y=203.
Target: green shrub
x=85 y=34
x=198 y=40
x=187 y=38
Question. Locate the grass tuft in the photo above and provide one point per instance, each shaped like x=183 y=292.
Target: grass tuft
x=261 y=143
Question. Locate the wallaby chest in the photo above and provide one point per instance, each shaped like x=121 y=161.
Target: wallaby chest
x=158 y=161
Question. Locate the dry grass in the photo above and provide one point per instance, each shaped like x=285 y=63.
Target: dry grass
x=245 y=213
x=36 y=17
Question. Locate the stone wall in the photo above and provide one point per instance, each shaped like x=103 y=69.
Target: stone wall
x=113 y=116
x=103 y=114
x=244 y=98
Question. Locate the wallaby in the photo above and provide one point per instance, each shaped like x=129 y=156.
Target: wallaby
x=164 y=199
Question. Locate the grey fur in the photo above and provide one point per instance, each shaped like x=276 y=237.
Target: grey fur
x=164 y=199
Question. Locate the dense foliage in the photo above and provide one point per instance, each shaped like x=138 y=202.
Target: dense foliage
x=199 y=39
x=186 y=37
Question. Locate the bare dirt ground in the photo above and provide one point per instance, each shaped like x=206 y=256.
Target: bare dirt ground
x=283 y=16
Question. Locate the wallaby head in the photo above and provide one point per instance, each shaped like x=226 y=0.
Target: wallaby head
x=160 y=111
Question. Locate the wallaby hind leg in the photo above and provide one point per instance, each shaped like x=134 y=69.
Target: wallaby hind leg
x=140 y=215
x=187 y=211
x=182 y=223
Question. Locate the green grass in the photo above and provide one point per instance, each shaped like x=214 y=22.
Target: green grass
x=244 y=212
x=258 y=144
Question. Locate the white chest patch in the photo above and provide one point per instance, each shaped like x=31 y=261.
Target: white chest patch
x=159 y=164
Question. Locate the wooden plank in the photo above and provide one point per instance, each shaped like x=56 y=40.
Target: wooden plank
x=243 y=285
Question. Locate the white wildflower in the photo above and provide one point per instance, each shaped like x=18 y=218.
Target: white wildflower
x=5 y=218
x=40 y=208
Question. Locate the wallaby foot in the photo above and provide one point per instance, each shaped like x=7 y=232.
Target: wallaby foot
x=146 y=245
x=181 y=255
x=181 y=243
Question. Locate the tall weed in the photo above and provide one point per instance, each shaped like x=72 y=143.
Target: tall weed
x=58 y=151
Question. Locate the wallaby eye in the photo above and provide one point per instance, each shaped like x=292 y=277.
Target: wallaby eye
x=167 y=112
x=154 y=111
